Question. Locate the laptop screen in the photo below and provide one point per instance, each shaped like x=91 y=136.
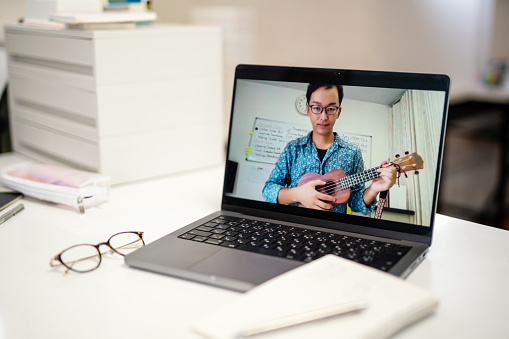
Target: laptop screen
x=369 y=143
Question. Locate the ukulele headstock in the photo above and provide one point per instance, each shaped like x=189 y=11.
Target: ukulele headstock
x=408 y=162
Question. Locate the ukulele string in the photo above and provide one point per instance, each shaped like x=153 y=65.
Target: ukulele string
x=332 y=188
x=347 y=182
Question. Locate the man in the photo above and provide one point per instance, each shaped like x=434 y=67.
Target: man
x=321 y=151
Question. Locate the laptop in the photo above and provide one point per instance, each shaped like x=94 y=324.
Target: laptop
x=390 y=118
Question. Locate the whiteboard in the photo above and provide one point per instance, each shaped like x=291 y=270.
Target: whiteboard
x=270 y=137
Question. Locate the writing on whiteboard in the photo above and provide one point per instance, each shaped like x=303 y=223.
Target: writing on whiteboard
x=269 y=139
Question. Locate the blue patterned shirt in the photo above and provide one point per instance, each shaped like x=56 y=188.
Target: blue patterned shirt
x=300 y=157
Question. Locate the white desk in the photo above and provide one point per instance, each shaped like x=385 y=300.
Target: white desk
x=467 y=267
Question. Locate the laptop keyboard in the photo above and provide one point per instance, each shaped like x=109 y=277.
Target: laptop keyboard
x=293 y=242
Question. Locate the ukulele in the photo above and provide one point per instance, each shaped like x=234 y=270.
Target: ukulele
x=339 y=185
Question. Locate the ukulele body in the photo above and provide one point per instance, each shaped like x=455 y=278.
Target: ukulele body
x=331 y=186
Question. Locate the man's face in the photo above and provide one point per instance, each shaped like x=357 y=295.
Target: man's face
x=322 y=122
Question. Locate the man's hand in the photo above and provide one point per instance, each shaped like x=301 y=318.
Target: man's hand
x=307 y=196
x=387 y=178
x=384 y=182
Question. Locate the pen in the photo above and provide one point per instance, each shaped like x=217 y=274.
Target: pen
x=11 y=213
x=298 y=318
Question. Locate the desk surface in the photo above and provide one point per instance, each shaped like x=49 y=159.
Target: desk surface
x=467 y=267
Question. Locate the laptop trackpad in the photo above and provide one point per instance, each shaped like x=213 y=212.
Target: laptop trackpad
x=244 y=266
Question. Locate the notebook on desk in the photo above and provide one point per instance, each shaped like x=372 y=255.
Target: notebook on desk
x=363 y=198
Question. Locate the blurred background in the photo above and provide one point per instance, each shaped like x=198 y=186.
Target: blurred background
x=466 y=39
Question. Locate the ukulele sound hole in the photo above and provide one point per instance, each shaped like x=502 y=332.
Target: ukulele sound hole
x=329 y=188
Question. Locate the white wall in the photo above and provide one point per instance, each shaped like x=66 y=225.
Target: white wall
x=419 y=35
x=500 y=44
x=10 y=12
x=456 y=37
x=278 y=103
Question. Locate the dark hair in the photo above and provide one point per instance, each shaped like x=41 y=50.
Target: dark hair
x=313 y=87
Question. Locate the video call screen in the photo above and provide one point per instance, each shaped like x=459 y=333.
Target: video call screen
x=398 y=127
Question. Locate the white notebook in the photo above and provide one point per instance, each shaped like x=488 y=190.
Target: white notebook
x=328 y=295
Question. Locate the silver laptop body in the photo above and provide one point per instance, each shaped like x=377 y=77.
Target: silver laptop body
x=385 y=115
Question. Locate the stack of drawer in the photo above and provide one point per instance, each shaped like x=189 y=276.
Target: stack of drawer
x=131 y=104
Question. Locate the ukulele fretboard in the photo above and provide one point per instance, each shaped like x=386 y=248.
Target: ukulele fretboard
x=359 y=178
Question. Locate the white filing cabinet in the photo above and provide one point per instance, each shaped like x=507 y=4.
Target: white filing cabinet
x=131 y=104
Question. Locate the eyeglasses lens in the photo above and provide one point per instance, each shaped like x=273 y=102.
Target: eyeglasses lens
x=316 y=109
x=330 y=110
x=81 y=258
x=125 y=243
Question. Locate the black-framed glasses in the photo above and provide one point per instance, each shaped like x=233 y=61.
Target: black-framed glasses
x=329 y=110
x=84 y=258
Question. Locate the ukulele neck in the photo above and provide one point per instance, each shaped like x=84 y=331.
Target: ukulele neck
x=359 y=178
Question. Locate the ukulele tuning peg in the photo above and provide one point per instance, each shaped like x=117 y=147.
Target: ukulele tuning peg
x=416 y=172
x=406 y=176
x=407 y=153
x=397 y=155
